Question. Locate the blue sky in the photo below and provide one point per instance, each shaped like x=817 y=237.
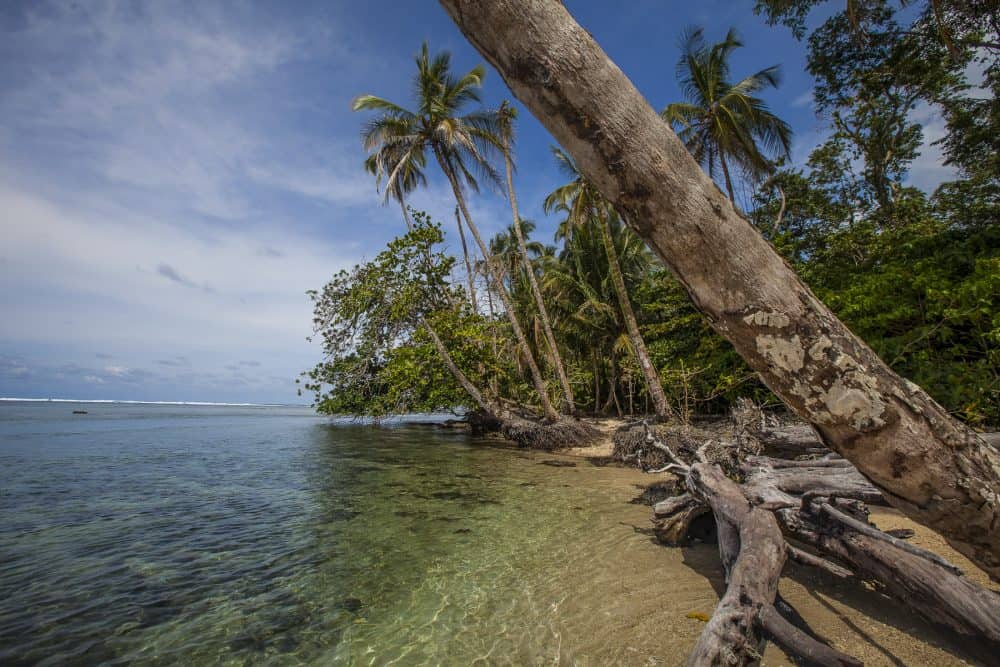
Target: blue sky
x=175 y=176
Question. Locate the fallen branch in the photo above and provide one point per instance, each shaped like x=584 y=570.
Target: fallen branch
x=775 y=503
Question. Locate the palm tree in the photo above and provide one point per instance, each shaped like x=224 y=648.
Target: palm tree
x=461 y=143
x=582 y=202
x=723 y=123
x=506 y=115
x=403 y=172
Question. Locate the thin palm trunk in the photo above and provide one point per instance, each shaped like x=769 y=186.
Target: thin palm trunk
x=554 y=357
x=660 y=404
x=725 y=174
x=488 y=406
x=469 y=276
x=597 y=386
x=536 y=375
x=406 y=215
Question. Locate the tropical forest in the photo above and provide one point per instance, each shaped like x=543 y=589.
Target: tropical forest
x=780 y=344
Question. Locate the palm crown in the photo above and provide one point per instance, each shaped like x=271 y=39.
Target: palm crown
x=724 y=123
x=577 y=197
x=398 y=139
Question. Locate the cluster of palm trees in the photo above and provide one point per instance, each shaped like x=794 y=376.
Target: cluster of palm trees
x=564 y=309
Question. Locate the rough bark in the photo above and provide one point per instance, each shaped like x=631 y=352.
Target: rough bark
x=493 y=272
x=660 y=405
x=927 y=464
x=833 y=522
x=753 y=553
x=543 y=313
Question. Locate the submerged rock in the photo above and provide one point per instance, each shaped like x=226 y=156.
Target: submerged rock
x=353 y=605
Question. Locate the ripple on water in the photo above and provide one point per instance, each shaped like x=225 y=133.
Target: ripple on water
x=281 y=540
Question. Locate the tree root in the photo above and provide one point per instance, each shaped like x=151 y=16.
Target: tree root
x=548 y=436
x=819 y=504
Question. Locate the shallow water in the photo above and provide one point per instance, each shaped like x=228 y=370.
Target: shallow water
x=225 y=535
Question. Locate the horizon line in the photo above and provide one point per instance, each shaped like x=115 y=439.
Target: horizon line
x=13 y=399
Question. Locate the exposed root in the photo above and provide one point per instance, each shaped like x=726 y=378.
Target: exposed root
x=759 y=504
x=632 y=443
x=549 y=436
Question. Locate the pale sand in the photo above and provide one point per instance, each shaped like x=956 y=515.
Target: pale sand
x=653 y=580
x=603 y=446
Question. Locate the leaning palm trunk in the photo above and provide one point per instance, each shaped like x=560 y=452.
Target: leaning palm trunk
x=660 y=405
x=488 y=406
x=554 y=356
x=725 y=175
x=927 y=464
x=536 y=375
x=406 y=214
x=470 y=277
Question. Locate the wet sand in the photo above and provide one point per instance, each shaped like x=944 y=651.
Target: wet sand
x=644 y=597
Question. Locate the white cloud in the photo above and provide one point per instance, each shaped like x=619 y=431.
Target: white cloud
x=804 y=100
x=166 y=100
x=929 y=170
x=142 y=271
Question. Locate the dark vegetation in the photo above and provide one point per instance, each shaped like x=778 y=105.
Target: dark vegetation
x=916 y=274
x=532 y=335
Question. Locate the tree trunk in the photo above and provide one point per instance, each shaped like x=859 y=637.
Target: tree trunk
x=725 y=175
x=597 y=387
x=522 y=342
x=550 y=338
x=469 y=275
x=488 y=406
x=406 y=215
x=928 y=465
x=660 y=404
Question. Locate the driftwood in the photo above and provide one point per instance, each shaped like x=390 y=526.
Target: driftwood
x=801 y=440
x=813 y=512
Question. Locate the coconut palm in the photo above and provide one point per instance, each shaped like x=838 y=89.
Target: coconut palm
x=582 y=202
x=406 y=171
x=506 y=115
x=724 y=124
x=579 y=287
x=462 y=145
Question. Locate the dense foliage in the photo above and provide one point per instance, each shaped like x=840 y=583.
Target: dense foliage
x=916 y=274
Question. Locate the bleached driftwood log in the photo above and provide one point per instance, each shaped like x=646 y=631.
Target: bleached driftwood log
x=815 y=513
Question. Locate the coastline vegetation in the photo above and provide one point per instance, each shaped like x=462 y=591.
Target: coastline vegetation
x=591 y=323
x=829 y=288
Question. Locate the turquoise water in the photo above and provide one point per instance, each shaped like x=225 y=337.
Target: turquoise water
x=156 y=534
x=214 y=535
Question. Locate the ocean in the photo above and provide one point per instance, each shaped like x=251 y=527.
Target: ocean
x=155 y=534
x=209 y=534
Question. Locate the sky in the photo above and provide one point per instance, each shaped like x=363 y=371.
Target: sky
x=174 y=176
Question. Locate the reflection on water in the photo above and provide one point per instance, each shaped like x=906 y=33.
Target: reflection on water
x=161 y=535
x=147 y=534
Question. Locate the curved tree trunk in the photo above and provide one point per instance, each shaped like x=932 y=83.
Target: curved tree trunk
x=729 y=182
x=406 y=215
x=522 y=341
x=927 y=464
x=660 y=404
x=550 y=338
x=469 y=275
x=488 y=406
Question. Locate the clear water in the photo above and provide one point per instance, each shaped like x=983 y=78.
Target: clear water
x=206 y=535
